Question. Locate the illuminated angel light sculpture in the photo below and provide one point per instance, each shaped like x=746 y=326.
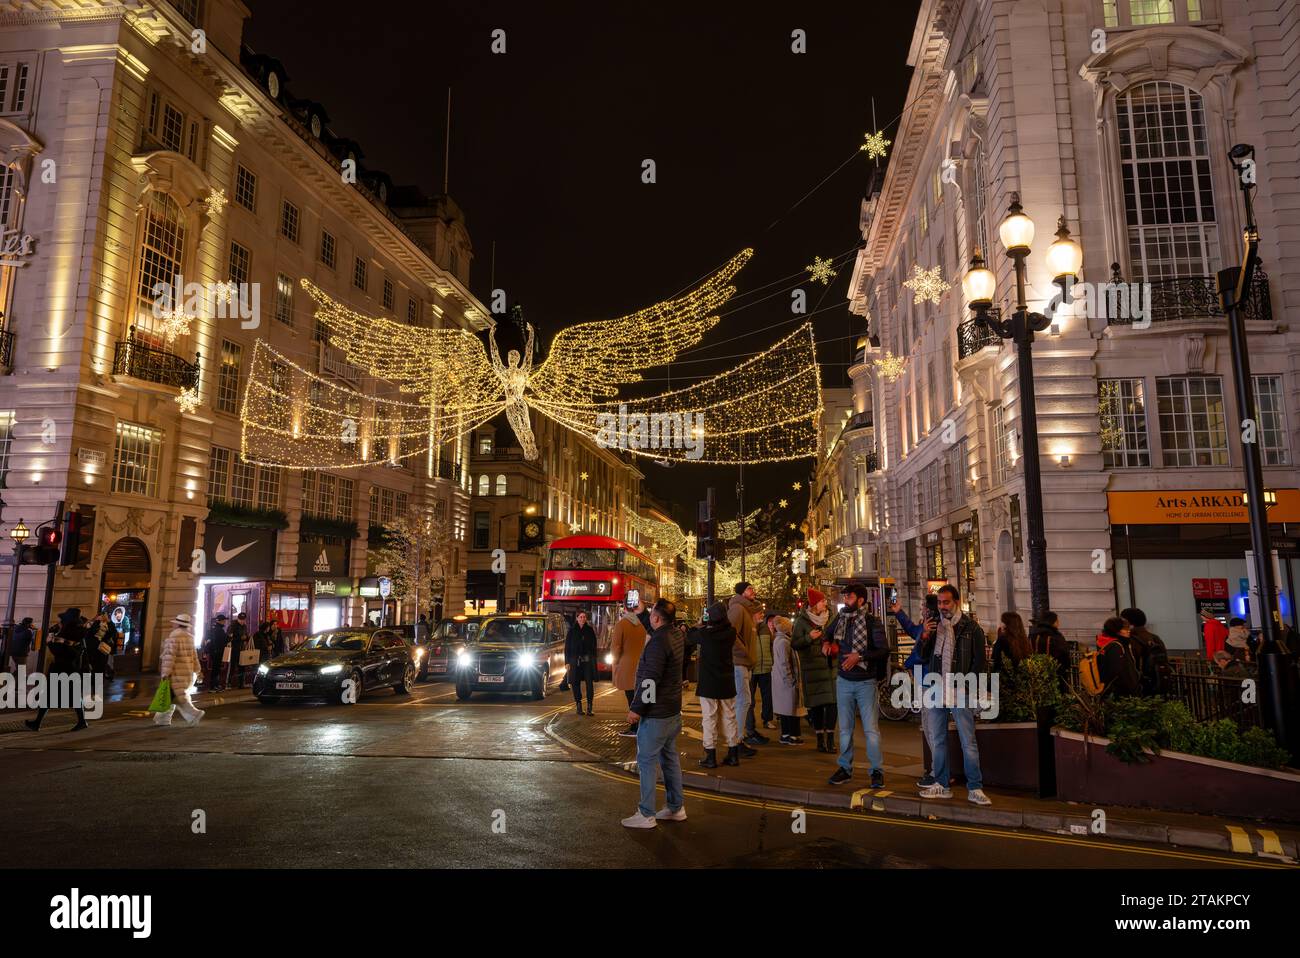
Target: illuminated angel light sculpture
x=435 y=385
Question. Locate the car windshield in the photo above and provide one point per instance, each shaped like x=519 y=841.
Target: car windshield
x=519 y=631
x=348 y=641
x=453 y=629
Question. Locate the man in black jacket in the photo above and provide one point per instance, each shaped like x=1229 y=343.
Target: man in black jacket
x=863 y=651
x=67 y=658
x=216 y=643
x=24 y=638
x=657 y=711
x=717 y=687
x=580 y=657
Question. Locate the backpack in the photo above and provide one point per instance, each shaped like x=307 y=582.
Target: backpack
x=1090 y=673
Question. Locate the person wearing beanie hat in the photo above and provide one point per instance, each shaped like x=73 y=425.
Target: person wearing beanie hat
x=716 y=690
x=815 y=596
x=1149 y=654
x=180 y=664
x=816 y=667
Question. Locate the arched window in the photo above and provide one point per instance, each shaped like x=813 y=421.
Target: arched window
x=483 y=482
x=162 y=252
x=1168 y=196
x=501 y=485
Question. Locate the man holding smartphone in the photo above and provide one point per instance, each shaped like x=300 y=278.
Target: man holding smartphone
x=863 y=653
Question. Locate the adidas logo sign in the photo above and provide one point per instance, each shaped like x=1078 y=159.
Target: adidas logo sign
x=322 y=563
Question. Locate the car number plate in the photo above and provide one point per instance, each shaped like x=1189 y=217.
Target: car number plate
x=438 y=667
x=491 y=678
x=288 y=685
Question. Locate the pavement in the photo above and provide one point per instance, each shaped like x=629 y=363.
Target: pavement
x=798 y=775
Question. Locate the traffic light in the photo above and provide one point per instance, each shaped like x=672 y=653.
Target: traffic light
x=47 y=549
x=71 y=537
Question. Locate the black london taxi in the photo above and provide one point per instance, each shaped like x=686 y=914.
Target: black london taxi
x=521 y=652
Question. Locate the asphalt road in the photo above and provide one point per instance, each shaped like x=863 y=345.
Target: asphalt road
x=423 y=781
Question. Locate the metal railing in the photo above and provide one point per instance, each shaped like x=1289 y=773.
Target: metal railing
x=972 y=337
x=1187 y=298
x=448 y=470
x=140 y=360
x=6 y=349
x=873 y=461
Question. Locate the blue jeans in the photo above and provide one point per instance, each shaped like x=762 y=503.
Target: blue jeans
x=762 y=682
x=935 y=723
x=743 y=699
x=656 y=744
x=859 y=697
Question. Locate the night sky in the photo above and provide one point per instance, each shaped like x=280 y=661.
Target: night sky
x=547 y=143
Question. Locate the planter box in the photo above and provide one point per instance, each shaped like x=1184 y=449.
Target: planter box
x=1010 y=756
x=1085 y=772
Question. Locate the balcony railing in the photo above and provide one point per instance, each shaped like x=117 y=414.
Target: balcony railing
x=6 y=349
x=140 y=360
x=873 y=461
x=971 y=337
x=448 y=470
x=1190 y=298
x=334 y=361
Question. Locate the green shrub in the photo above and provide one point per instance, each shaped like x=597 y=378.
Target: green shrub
x=1029 y=689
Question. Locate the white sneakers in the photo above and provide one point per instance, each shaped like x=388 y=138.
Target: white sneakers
x=664 y=815
x=975 y=796
x=936 y=791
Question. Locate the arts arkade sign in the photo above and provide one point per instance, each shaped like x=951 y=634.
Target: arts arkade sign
x=1163 y=507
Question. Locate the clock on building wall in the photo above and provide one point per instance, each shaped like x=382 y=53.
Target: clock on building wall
x=530 y=533
x=315 y=125
x=273 y=84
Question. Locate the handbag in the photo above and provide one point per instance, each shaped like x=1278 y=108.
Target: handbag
x=225 y=654
x=162 y=699
x=249 y=657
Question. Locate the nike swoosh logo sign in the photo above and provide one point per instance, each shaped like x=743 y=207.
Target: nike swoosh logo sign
x=222 y=556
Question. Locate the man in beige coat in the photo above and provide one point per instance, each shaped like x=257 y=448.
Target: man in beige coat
x=625 y=644
x=742 y=611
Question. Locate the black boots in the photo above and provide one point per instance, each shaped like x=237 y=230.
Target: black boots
x=710 y=759
x=745 y=750
x=33 y=724
x=826 y=742
x=733 y=756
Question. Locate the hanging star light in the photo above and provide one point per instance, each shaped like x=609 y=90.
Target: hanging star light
x=819 y=271
x=215 y=201
x=434 y=386
x=783 y=503
x=926 y=284
x=188 y=400
x=890 y=366
x=796 y=486
x=876 y=145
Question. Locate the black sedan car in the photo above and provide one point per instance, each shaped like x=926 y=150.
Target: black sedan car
x=515 y=652
x=341 y=665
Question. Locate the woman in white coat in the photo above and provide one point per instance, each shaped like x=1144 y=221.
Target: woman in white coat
x=787 y=689
x=180 y=663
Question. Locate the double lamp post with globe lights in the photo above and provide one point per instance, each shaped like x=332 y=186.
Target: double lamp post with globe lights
x=1064 y=257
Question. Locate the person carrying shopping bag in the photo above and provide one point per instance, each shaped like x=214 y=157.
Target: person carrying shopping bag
x=179 y=666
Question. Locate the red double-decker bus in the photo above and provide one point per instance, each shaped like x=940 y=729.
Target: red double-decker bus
x=600 y=576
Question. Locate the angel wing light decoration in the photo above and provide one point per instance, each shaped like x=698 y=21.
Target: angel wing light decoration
x=434 y=385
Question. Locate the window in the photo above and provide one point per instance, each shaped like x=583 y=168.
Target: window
x=191 y=10
x=388 y=294
x=359 y=273
x=228 y=378
x=162 y=250
x=240 y=263
x=328 y=488
x=1004 y=442
x=328 y=248
x=1271 y=414
x=1193 y=430
x=218 y=473
x=268 y=487
x=136 y=455
x=932 y=388
x=955 y=469
x=246 y=188
x=485 y=445
x=6 y=441
x=346 y=506
x=1123 y=407
x=412 y=311
x=1168 y=196
x=279 y=378
x=386 y=506
x=284 y=299
x=481 y=529
x=980 y=229
x=192 y=150
x=945 y=364
x=13 y=95
x=289 y=221
x=483 y=483
x=1142 y=13
x=172 y=133
x=242 y=477
x=501 y=485
x=909 y=504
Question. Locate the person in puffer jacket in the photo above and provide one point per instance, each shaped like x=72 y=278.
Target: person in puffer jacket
x=180 y=663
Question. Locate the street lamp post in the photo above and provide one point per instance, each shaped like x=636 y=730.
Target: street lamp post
x=19 y=534
x=1064 y=258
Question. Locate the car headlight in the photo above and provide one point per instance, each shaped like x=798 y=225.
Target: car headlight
x=609 y=658
x=462 y=658
x=419 y=653
x=526 y=659
x=331 y=669
x=263 y=669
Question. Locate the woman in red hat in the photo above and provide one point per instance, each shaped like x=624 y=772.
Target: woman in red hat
x=817 y=667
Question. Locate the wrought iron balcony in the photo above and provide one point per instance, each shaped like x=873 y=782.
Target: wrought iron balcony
x=448 y=470
x=6 y=349
x=1191 y=298
x=972 y=337
x=873 y=461
x=140 y=360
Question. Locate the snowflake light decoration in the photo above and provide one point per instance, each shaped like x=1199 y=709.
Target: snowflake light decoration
x=796 y=486
x=927 y=284
x=783 y=503
x=876 y=145
x=173 y=323
x=215 y=202
x=890 y=366
x=188 y=400
x=819 y=271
